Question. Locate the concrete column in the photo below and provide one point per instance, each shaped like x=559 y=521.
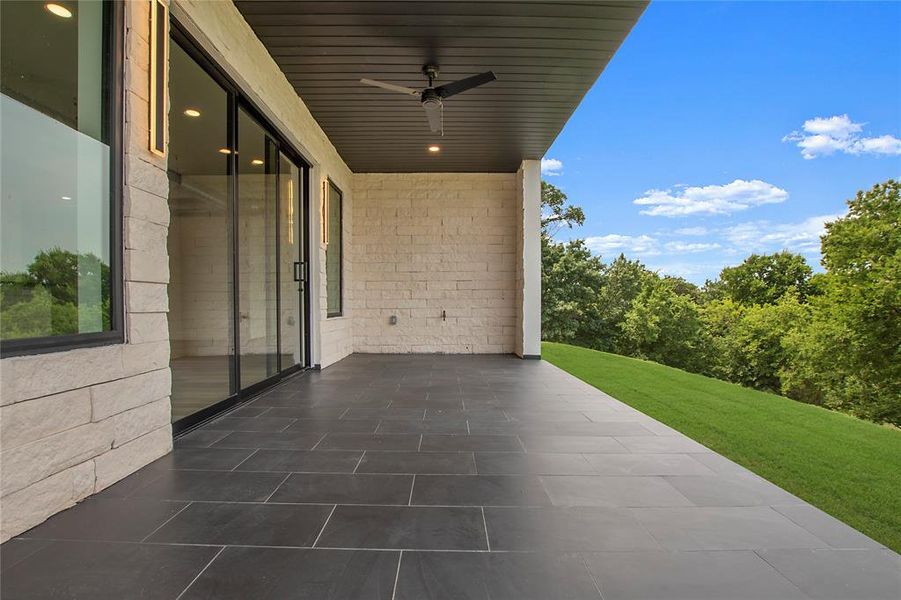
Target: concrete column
x=528 y=342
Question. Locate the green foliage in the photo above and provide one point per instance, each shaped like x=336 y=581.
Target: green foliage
x=664 y=326
x=753 y=347
x=44 y=300
x=832 y=339
x=556 y=212
x=847 y=467
x=765 y=278
x=849 y=356
x=570 y=278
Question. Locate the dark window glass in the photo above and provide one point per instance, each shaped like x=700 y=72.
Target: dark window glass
x=333 y=252
x=55 y=169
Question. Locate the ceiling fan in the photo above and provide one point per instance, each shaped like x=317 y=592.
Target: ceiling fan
x=432 y=98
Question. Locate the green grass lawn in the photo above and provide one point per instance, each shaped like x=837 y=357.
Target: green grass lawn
x=847 y=467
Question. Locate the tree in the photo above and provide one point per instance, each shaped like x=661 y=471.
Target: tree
x=665 y=326
x=570 y=279
x=556 y=212
x=849 y=357
x=623 y=281
x=764 y=278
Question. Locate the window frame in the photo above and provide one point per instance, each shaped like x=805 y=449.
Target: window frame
x=115 y=96
x=340 y=312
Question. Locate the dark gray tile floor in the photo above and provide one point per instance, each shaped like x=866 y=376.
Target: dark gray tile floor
x=421 y=477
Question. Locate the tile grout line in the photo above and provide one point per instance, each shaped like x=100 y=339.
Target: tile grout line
x=485 y=523
x=419 y=447
x=412 y=485
x=319 y=442
x=594 y=580
x=163 y=524
x=293 y=421
x=358 y=463
x=281 y=483
x=342 y=415
x=400 y=557
x=193 y=581
x=255 y=450
x=327 y=519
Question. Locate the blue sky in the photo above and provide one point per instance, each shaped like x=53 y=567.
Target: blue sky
x=737 y=127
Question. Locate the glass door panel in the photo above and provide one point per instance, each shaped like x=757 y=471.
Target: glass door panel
x=199 y=240
x=292 y=269
x=257 y=164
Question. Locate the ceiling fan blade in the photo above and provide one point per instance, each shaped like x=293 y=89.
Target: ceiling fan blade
x=434 y=113
x=451 y=89
x=390 y=86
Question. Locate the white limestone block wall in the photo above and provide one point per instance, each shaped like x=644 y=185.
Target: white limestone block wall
x=72 y=423
x=439 y=252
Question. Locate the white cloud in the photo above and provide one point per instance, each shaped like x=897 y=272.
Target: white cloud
x=710 y=199
x=692 y=231
x=823 y=136
x=614 y=243
x=551 y=167
x=803 y=237
x=690 y=247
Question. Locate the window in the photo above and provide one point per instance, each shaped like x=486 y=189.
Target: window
x=59 y=171
x=334 y=251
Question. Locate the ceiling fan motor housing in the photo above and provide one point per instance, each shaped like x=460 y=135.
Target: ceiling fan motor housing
x=430 y=98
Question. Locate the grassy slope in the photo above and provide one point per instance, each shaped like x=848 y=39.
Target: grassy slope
x=847 y=467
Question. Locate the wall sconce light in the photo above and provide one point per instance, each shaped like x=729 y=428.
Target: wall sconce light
x=159 y=75
x=325 y=211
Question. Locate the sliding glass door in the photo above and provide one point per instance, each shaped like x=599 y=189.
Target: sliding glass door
x=237 y=294
x=257 y=251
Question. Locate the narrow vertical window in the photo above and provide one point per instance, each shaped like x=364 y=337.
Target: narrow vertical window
x=60 y=108
x=334 y=251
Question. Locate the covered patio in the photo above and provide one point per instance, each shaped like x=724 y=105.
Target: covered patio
x=413 y=477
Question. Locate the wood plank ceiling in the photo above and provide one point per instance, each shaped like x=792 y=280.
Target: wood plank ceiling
x=546 y=56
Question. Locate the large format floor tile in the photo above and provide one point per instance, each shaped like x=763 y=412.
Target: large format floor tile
x=733 y=528
x=217 y=486
x=330 y=488
x=108 y=519
x=579 y=490
x=435 y=463
x=498 y=576
x=105 y=570
x=516 y=463
x=302 y=461
x=257 y=573
x=829 y=574
x=405 y=527
x=565 y=529
x=245 y=524
x=650 y=575
x=479 y=490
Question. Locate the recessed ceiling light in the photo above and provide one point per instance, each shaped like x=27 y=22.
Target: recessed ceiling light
x=224 y=151
x=66 y=197
x=192 y=112
x=434 y=148
x=256 y=162
x=59 y=10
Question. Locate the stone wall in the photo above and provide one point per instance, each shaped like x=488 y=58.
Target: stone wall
x=75 y=422
x=438 y=251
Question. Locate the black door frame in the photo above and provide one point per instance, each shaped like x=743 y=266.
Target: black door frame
x=236 y=101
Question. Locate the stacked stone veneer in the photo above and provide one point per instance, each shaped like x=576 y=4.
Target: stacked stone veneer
x=75 y=422
x=438 y=251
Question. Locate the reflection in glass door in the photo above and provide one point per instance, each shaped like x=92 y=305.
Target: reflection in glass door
x=292 y=269
x=237 y=305
x=257 y=252
x=199 y=241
